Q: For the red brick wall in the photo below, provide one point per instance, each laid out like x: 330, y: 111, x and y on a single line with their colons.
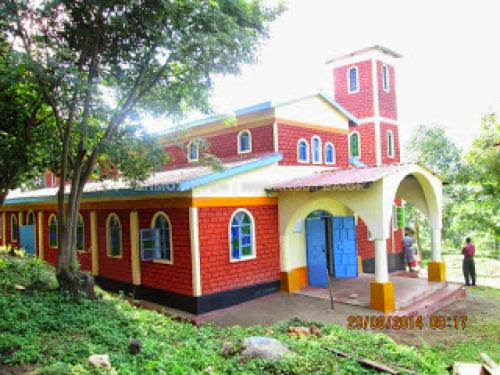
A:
x: 226, y: 145
x: 114, y: 268
x: 288, y: 137
x: 366, y: 248
x: 176, y: 277
x: 384, y: 128
x: 387, y: 99
x: 360, y: 104
x: 367, y: 141
x: 217, y: 272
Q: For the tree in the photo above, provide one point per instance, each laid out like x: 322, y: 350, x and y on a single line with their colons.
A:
x: 25, y: 118
x: 431, y: 146
x: 100, y: 63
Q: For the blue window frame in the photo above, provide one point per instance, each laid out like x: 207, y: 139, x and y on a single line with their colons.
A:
x: 353, y: 79
x: 242, y: 235
x: 316, y: 149
x: 162, y: 227
x: 80, y: 234
x: 244, y: 141
x: 53, y: 231
x: 114, y: 236
x: 303, y: 151
x: 193, y: 151
x: 329, y: 154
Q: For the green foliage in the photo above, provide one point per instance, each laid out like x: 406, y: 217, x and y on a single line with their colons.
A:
x: 56, y: 335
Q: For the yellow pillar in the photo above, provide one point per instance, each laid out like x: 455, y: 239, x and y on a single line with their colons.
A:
x: 436, y: 271
x: 40, y: 235
x: 93, y: 240
x: 134, y: 247
x: 195, y: 251
x: 4, y: 229
x: 20, y: 218
x: 381, y: 289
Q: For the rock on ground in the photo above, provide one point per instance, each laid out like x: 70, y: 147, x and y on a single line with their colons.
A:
x: 100, y: 361
x: 263, y: 347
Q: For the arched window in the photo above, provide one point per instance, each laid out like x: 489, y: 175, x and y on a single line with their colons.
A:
x: 192, y: 151
x: 242, y: 235
x: 80, y: 233
x: 385, y: 78
x: 354, y: 145
x: 161, y: 223
x: 30, y: 219
x: 329, y: 153
x: 244, y: 141
x: 14, y: 228
x: 390, y: 143
x: 114, y: 236
x: 353, y: 80
x: 53, y: 231
x: 316, y: 149
x: 302, y: 151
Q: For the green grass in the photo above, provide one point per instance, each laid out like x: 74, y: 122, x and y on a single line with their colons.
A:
x: 45, y: 329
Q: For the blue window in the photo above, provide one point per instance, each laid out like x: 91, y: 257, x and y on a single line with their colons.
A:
x: 303, y: 151
x: 385, y: 77
x: 354, y: 151
x: 316, y: 149
x: 329, y: 154
x: 114, y: 236
x: 242, y: 235
x: 53, y: 231
x: 193, y: 151
x: 353, y: 80
x: 244, y: 141
x: 162, y: 227
x: 14, y: 228
x: 80, y: 234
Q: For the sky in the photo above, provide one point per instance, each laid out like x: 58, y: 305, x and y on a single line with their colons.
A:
x: 449, y: 74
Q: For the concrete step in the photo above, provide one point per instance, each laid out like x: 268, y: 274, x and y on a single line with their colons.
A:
x: 435, y: 301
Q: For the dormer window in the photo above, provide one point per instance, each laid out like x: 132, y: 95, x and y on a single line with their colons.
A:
x: 353, y: 80
x: 354, y: 145
x: 316, y: 149
x: 385, y: 78
x: 244, y: 142
x: 390, y: 144
x: 302, y: 151
x: 329, y: 153
x: 193, y: 151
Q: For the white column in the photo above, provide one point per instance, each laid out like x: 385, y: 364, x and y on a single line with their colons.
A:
x: 195, y: 250
x: 436, y: 244
x: 381, y: 267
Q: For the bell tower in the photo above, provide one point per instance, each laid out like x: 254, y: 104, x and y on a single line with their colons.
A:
x: 364, y: 82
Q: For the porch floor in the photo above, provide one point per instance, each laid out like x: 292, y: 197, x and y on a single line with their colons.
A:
x: 409, y: 293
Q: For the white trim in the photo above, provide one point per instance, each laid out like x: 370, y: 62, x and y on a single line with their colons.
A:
x: 320, y: 149
x: 391, y: 133
x: 249, y: 141
x: 349, y: 144
x: 155, y: 216
x: 252, y: 229
x: 307, y: 151
x: 275, y: 137
x: 107, y: 236
x: 349, y: 91
x: 190, y: 160
x: 57, y: 231
x: 376, y: 112
x: 195, y: 250
x: 11, y: 227
x: 334, y: 153
x: 386, y: 78
x: 374, y: 119
x: 81, y: 216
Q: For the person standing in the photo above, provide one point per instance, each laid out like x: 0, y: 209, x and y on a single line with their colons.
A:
x: 468, y: 266
x: 408, y: 249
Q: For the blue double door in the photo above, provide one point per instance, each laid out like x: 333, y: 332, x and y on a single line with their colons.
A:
x: 331, y: 248
x: 27, y: 239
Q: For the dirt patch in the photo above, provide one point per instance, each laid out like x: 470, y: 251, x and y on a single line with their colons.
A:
x: 17, y: 370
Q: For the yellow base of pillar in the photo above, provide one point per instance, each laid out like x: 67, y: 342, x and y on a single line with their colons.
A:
x: 382, y: 296
x: 294, y: 280
x: 436, y: 271
x: 360, y: 264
